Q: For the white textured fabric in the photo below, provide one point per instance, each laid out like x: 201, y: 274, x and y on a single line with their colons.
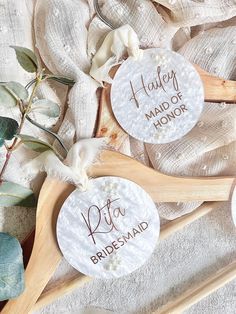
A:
x: 67, y: 35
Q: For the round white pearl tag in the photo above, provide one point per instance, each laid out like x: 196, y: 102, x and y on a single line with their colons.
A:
x: 159, y: 98
x: 110, y: 230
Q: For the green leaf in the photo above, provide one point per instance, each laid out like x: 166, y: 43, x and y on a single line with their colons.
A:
x: 12, y: 194
x: 8, y: 128
x: 6, y: 98
x: 62, y: 79
x: 34, y: 143
x: 56, y: 136
x: 17, y: 90
x: 11, y: 92
x: 46, y: 107
x: 26, y: 58
x: 11, y: 267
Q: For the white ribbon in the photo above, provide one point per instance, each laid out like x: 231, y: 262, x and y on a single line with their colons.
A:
x: 117, y: 42
x: 74, y: 168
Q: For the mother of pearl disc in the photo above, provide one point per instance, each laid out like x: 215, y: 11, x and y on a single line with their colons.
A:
x: 159, y: 98
x: 110, y: 230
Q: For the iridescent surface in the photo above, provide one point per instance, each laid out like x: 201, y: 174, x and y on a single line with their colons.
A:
x: 110, y: 230
x: 159, y: 98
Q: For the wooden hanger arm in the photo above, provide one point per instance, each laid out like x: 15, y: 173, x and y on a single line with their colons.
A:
x: 161, y: 187
x: 197, y: 293
x: 46, y: 254
x: 107, y: 125
x: 217, y: 89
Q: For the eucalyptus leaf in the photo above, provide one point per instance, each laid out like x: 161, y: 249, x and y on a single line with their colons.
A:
x: 56, y: 136
x: 11, y: 267
x: 62, y: 79
x: 34, y: 143
x: 46, y: 107
x: 26, y: 58
x: 8, y: 128
x: 17, y: 90
x: 12, y: 194
x: 6, y: 98
x: 11, y: 92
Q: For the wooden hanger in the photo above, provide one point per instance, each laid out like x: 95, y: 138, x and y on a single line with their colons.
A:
x: 161, y: 187
x: 46, y: 255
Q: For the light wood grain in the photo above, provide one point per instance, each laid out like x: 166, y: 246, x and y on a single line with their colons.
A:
x: 179, y: 223
x: 163, y: 188
x: 46, y: 254
x: 64, y: 287
x: 217, y: 89
x: 194, y: 295
x: 108, y: 126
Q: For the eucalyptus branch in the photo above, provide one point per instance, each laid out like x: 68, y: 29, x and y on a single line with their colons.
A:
x: 27, y: 86
x: 10, y: 150
x: 58, y: 78
x: 6, y: 146
x: 15, y: 94
x: 22, y: 120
